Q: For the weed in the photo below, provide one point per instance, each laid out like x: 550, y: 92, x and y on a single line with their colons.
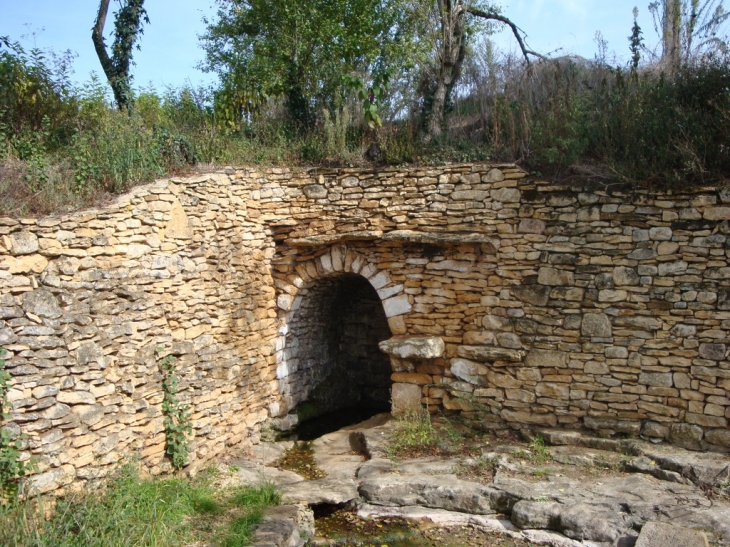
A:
x: 413, y: 431
x: 12, y: 468
x: 178, y: 427
x: 539, y: 452
x: 129, y: 510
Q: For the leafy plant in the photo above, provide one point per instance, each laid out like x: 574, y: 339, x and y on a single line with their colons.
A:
x: 178, y: 427
x: 12, y: 468
x: 539, y: 453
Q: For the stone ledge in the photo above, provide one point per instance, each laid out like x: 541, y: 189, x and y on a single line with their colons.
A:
x: 315, y: 241
x: 414, y: 347
x: 410, y: 236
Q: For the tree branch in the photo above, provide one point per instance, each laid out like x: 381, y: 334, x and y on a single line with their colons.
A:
x: 515, y: 30
x: 97, y: 36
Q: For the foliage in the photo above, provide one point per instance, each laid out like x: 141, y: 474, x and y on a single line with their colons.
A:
x: 178, y: 427
x: 132, y: 511
x: 298, y: 51
x: 413, y: 431
x: 539, y: 453
x: 127, y: 30
x: 12, y: 468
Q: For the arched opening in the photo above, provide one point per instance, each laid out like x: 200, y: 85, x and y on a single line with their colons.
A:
x: 332, y: 359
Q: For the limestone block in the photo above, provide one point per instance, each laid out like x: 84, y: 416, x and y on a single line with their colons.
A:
x: 661, y: 534
x: 487, y: 353
x: 625, y: 276
x: 506, y: 195
x: 469, y: 371
x: 554, y: 277
x: 546, y: 358
x: 411, y: 378
x: 717, y: 213
x: 23, y: 243
x: 178, y: 227
x: 686, y: 435
x: 418, y: 347
x: 536, y: 295
x: 76, y: 397
x: 397, y: 305
x: 405, y: 398
x: 493, y: 175
x: 596, y: 325
x: 522, y: 417
x: 34, y: 263
x: 713, y: 352
x: 43, y: 303
x: 315, y: 191
x: 531, y: 226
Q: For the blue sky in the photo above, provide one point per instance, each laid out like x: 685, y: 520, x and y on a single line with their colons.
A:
x: 170, y: 49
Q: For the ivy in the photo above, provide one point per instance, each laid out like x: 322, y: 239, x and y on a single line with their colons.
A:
x: 178, y: 428
x: 12, y: 469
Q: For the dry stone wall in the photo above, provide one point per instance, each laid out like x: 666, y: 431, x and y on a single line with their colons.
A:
x: 578, y: 307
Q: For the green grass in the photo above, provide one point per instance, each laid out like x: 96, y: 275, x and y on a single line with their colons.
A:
x: 413, y: 431
x: 140, y: 512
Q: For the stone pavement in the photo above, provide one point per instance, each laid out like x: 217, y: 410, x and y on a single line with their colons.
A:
x: 618, y: 495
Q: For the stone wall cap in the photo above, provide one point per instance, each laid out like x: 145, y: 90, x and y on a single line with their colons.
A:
x: 419, y: 347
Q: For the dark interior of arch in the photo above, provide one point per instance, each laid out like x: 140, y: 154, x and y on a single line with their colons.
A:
x: 334, y: 359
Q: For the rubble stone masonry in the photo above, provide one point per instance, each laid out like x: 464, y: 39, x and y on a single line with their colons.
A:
x: 574, y: 307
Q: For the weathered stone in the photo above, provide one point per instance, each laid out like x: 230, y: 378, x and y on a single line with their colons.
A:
x: 546, y: 358
x: 490, y: 354
x: 522, y: 417
x: 76, y: 397
x: 469, y: 371
x: 553, y: 277
x: 178, y: 227
x: 531, y: 226
x: 315, y: 191
x: 23, y: 243
x: 428, y: 491
x: 405, y: 398
x: 317, y: 492
x: 536, y: 295
x: 661, y: 534
x: 596, y: 325
x: 625, y: 276
x: 42, y: 303
x: 686, y: 435
x: 418, y: 347
x: 714, y: 352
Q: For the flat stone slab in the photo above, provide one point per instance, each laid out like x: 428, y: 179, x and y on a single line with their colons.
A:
x: 434, y: 491
x: 660, y: 534
x: 323, y: 491
x: 418, y: 347
x: 315, y: 241
x: 254, y: 473
x: 268, y: 453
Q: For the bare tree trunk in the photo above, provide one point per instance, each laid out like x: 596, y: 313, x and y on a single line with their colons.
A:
x: 451, y: 55
x: 672, y: 35
x: 451, y: 58
x: 128, y: 28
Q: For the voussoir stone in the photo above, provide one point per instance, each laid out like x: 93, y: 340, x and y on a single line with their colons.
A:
x: 414, y: 347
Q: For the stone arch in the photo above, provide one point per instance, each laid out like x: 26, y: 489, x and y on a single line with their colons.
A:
x: 333, y: 311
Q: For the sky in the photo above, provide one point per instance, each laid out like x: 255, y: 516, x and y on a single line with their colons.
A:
x: 170, y: 47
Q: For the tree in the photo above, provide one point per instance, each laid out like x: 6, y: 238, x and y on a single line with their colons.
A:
x: 299, y: 50
x: 451, y: 46
x: 689, y: 30
x: 127, y: 30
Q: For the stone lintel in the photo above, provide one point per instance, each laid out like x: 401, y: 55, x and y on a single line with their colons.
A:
x: 490, y: 353
x: 315, y: 241
x: 418, y: 347
x: 443, y: 239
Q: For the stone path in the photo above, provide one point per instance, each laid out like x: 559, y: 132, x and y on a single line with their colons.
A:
x: 584, y: 500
